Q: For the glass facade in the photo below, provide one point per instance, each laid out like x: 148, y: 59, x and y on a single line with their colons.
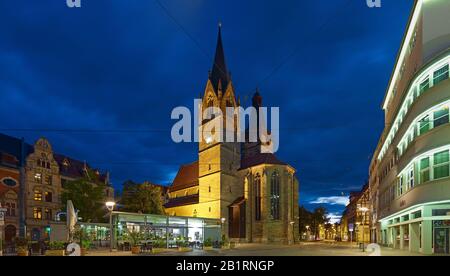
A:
x: 165, y: 231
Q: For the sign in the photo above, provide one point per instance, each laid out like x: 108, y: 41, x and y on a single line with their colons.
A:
x: 350, y: 227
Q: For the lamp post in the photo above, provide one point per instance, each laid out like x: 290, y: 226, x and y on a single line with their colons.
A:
x: 363, y: 210
x: 110, y: 206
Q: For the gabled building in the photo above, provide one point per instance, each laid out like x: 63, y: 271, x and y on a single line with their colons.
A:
x: 32, y: 178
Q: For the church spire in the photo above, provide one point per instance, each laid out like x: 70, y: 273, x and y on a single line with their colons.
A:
x: 219, y: 69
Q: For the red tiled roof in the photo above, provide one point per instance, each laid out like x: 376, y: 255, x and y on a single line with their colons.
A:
x: 182, y: 201
x: 187, y: 177
x: 260, y: 158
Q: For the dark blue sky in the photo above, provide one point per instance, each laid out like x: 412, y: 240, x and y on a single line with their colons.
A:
x: 125, y: 64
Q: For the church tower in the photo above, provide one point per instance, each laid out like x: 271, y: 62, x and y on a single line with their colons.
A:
x: 218, y: 160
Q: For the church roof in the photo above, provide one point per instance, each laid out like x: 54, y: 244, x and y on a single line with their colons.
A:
x: 219, y: 72
x: 186, y: 177
x: 259, y: 159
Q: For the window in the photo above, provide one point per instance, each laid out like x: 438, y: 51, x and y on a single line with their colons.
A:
x: 38, y: 177
x: 37, y: 213
x: 440, y: 75
x: 9, y: 182
x: 424, y: 86
x: 38, y: 195
x: 400, y: 186
x: 441, y: 117
x: 10, y: 209
x: 48, y: 179
x: 441, y: 164
x: 257, y: 197
x: 48, y: 214
x: 48, y: 197
x: 424, y: 125
x: 275, y: 196
x: 425, y: 170
x: 411, y: 178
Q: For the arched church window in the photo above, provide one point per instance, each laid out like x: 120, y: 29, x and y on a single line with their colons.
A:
x: 275, y: 195
x: 257, y: 189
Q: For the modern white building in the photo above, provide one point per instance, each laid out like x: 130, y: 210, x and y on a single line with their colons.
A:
x: 410, y: 171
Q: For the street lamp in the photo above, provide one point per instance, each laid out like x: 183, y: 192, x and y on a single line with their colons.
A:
x: 363, y: 210
x: 110, y: 206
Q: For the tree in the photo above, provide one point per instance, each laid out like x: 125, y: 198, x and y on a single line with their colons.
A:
x: 305, y: 219
x: 87, y: 196
x: 142, y: 198
x: 319, y: 217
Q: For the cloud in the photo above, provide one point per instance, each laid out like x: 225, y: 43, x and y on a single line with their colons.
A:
x: 334, y: 217
x: 331, y: 200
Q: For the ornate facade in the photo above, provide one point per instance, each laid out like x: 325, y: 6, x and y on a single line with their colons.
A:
x: 32, y: 178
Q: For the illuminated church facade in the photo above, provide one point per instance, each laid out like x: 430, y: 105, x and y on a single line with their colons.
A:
x: 254, y: 194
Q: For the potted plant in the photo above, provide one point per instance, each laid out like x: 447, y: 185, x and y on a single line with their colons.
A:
x: 225, y: 242
x: 208, y: 244
x: 84, y: 240
x: 134, y: 237
x: 183, y: 245
x: 22, y: 246
x: 159, y: 245
x: 56, y: 248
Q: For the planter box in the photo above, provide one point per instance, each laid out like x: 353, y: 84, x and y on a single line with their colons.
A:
x: 84, y: 252
x: 208, y: 248
x: 59, y: 252
x: 135, y: 250
x: 158, y: 250
x: 184, y: 249
x: 22, y: 253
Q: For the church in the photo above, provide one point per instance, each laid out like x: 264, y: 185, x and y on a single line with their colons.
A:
x: 253, y: 194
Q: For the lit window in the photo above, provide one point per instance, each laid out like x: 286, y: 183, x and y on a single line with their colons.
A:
x: 441, y: 165
x: 440, y: 75
x: 38, y: 195
x: 37, y: 213
x: 38, y: 177
x: 425, y: 170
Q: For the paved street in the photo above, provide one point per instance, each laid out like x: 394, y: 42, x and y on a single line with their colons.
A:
x: 303, y: 249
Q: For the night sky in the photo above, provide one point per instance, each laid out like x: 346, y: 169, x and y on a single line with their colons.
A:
x: 101, y: 81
